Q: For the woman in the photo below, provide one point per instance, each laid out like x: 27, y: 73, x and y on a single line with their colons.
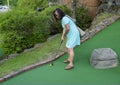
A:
x: 71, y: 32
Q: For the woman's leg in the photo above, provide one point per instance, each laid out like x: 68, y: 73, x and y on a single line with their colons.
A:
x: 71, y: 56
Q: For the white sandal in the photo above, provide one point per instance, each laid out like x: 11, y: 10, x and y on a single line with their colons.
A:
x: 68, y: 67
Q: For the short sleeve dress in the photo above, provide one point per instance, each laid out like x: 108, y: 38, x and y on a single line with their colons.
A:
x: 73, y: 36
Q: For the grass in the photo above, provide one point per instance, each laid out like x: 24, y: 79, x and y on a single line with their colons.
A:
x: 33, y: 56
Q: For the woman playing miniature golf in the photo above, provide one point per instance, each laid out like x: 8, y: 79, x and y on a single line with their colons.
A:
x: 71, y: 32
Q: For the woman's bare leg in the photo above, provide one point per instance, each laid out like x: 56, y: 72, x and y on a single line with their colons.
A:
x: 71, y: 56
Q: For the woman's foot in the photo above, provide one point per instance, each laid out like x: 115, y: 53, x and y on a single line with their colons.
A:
x: 68, y: 67
x: 66, y: 61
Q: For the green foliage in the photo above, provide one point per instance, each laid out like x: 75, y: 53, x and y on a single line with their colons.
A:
x: 54, y: 26
x: 82, y: 17
x: 1, y: 2
x: 21, y: 30
x: 31, y: 4
x: 47, y: 18
x: 1, y: 53
x: 13, y: 3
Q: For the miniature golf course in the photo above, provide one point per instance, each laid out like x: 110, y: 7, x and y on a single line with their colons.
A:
x: 82, y: 73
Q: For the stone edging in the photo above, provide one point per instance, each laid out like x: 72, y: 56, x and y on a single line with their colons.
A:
x: 89, y: 33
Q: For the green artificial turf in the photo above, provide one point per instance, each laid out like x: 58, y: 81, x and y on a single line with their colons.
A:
x: 83, y: 73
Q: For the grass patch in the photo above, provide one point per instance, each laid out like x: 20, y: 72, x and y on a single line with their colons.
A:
x: 33, y: 56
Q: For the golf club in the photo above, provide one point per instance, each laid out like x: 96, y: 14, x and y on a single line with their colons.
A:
x: 60, y: 44
x: 51, y: 64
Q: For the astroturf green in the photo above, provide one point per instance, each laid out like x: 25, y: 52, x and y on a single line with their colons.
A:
x: 83, y: 73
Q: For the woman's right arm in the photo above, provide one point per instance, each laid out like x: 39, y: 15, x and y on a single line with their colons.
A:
x: 65, y: 31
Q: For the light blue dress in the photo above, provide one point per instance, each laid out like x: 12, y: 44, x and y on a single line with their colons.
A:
x: 73, y: 36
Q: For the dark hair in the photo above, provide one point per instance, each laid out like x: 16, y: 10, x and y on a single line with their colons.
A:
x: 60, y: 12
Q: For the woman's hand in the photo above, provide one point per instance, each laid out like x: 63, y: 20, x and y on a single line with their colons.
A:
x: 63, y: 37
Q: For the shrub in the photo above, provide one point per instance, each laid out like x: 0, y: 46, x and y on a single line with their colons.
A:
x: 20, y: 31
x: 82, y: 18
x: 32, y: 4
x: 1, y: 53
x: 54, y: 26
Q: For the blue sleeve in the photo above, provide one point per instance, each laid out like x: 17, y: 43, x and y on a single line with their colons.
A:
x: 65, y: 20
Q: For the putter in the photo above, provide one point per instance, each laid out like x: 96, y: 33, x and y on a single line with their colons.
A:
x: 60, y: 43
x: 51, y: 64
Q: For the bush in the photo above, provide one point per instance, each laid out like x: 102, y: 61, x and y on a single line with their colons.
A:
x: 54, y: 26
x: 32, y: 4
x: 82, y: 18
x: 1, y: 53
x: 20, y: 31
x: 23, y: 29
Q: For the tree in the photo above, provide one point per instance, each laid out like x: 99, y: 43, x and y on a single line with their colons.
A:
x: 73, y: 9
x: 1, y: 2
x: 32, y: 4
